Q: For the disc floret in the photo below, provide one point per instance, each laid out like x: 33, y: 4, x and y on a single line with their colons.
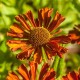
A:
x: 39, y: 36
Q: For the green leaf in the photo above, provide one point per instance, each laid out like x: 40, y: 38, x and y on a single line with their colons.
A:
x: 3, y: 46
x: 6, y: 10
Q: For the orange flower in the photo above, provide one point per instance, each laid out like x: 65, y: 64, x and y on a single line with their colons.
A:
x: 45, y: 73
x: 72, y: 76
x: 33, y: 34
x: 75, y: 34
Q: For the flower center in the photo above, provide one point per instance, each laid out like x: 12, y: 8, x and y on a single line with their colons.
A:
x: 39, y: 36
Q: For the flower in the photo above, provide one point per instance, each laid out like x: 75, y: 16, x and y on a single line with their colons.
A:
x: 75, y: 34
x: 31, y: 35
x: 45, y: 73
x: 72, y: 76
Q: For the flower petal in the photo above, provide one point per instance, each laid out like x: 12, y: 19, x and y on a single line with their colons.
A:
x: 49, y: 75
x: 14, y: 35
x: 37, y: 22
x: 65, y: 78
x: 23, y: 72
x: 30, y: 17
x: 71, y: 76
x: 43, y: 71
x: 33, y: 69
x: 49, y: 52
x: 17, y: 31
x: 56, y: 22
x: 44, y: 16
x: 57, y: 49
x: 38, y: 55
x: 16, y: 44
x: 61, y: 51
x: 21, y: 19
x: 25, y: 54
x: 74, y: 34
x: 12, y: 76
x: 16, y: 28
x: 61, y: 39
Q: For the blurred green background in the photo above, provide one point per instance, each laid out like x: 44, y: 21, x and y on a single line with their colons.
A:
x: 70, y: 9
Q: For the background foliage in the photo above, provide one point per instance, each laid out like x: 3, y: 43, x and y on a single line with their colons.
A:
x: 70, y: 9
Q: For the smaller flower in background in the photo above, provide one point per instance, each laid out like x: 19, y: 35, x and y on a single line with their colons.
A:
x: 72, y: 76
x: 75, y: 34
x: 25, y: 74
x: 33, y: 34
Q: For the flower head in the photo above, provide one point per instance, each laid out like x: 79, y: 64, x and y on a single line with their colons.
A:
x: 45, y: 73
x: 33, y: 34
x: 75, y: 34
x: 72, y: 76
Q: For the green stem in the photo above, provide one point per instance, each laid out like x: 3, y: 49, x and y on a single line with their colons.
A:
x: 55, y: 63
x: 61, y: 68
x: 44, y: 55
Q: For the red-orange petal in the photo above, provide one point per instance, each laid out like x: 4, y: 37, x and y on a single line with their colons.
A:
x: 71, y: 76
x: 16, y: 28
x: 58, y: 19
x: 33, y: 69
x: 23, y: 72
x: 30, y: 17
x: 61, y: 50
x: 49, y: 52
x: 37, y: 22
x: 17, y: 31
x: 12, y: 76
x: 14, y: 35
x: 65, y: 78
x: 43, y: 71
x: 21, y: 19
x: 49, y: 75
x: 44, y: 16
x: 74, y: 34
x: 18, y: 35
x: 25, y: 54
x: 38, y: 55
x: 73, y: 37
x: 16, y: 44
x: 57, y: 49
x: 61, y: 39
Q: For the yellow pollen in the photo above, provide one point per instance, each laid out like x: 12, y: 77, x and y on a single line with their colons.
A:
x: 39, y: 36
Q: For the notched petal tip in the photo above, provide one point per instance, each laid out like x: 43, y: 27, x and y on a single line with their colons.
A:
x: 30, y: 17
x: 25, y: 54
x: 23, y: 72
x: 57, y: 20
x: 43, y: 70
x: 44, y: 16
x: 61, y: 39
x: 33, y: 69
x: 16, y: 28
x: 12, y: 76
x: 22, y: 20
x: 37, y: 55
x: 50, y: 75
x: 71, y: 76
x: 16, y: 44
